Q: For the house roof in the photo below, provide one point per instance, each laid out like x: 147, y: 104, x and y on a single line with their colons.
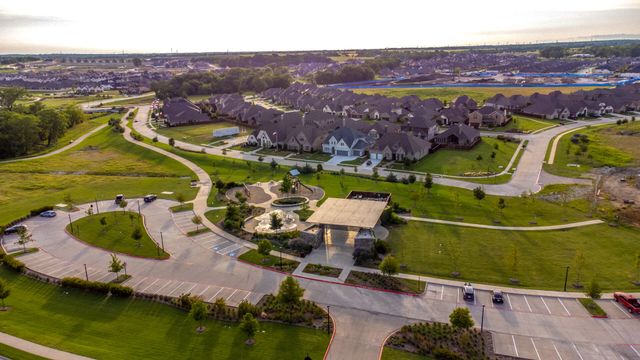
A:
x: 348, y: 212
x: 461, y: 131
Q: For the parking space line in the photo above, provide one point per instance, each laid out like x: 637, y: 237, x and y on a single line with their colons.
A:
x: 545, y: 305
x: 509, y: 301
x: 177, y: 287
x: 441, y: 292
x: 535, y: 348
x: 143, y: 290
x: 621, y: 309
x: 163, y: 286
x: 527, y: 301
x: 139, y: 282
x: 556, y: 349
x: 458, y: 296
x: 634, y: 350
x: 191, y: 288
x: 246, y: 296
x: 233, y: 293
x: 204, y: 291
x: 564, y: 307
x: 577, y: 352
x: 513, y: 338
x: 214, y: 296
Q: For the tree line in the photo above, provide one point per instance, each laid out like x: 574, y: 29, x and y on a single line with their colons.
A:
x: 25, y: 128
x: 261, y: 60
x: 231, y: 81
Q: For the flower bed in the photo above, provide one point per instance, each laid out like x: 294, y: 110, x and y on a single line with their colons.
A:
x: 290, y: 201
x: 384, y: 282
x: 322, y: 270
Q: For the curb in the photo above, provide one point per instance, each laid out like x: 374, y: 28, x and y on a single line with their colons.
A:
x: 600, y: 316
x: 385, y: 342
x: 333, y: 335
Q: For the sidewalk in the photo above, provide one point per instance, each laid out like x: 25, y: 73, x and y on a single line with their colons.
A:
x: 37, y: 349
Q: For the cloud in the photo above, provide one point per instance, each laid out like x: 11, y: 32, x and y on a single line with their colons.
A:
x: 13, y: 21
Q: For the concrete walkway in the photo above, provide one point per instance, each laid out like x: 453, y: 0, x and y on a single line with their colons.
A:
x: 36, y: 349
x: 508, y: 228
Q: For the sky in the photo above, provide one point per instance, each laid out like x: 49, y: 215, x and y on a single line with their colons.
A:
x: 137, y: 26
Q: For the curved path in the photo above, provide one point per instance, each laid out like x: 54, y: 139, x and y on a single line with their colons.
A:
x: 363, y: 316
x: 509, y: 228
x: 37, y: 349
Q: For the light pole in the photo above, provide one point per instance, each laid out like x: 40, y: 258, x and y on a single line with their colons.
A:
x: 162, y: 241
x: 86, y: 273
x: 70, y: 226
x: 482, y: 320
x: 97, y: 209
x: 138, y: 207
x: 566, y: 276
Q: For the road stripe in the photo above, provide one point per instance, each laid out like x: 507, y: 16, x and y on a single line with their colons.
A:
x: 513, y: 338
x: 545, y: 305
x: 634, y: 350
x: 509, y: 301
x: 535, y: 348
x: 626, y: 313
x: 163, y: 286
x: 577, y: 352
x: 214, y: 296
x: 204, y: 291
x: 564, y: 307
x: 246, y: 296
x: 442, y: 292
x: 191, y: 288
x: 557, y: 352
x: 139, y: 282
x: 150, y: 285
x: 527, y: 301
x: 458, y: 296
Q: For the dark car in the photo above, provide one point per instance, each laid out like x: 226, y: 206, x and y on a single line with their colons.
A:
x: 48, y: 213
x: 496, y: 297
x: 628, y: 301
x: 149, y: 198
x: 467, y: 292
x: 15, y: 228
x: 119, y: 198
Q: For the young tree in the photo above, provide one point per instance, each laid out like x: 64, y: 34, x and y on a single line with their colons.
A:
x: 290, y: 291
x: 24, y: 238
x: 273, y: 164
x: 319, y: 168
x: 180, y: 198
x: 501, y: 205
x: 264, y: 247
x: 392, y: 178
x: 479, y: 193
x: 375, y: 175
x: 4, y: 292
x: 594, y: 290
x: 389, y: 265
x: 68, y: 200
x: 578, y: 266
x: 136, y: 235
x: 428, y: 182
x: 219, y: 306
x: 103, y: 221
x: 276, y: 222
x: 287, y: 184
x: 411, y: 178
x: 123, y: 205
x: 197, y: 220
x: 115, y: 265
x: 249, y: 325
x: 172, y: 142
x: 460, y: 318
x: 198, y: 313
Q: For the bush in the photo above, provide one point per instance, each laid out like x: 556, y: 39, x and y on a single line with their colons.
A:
x: 392, y: 178
x: 97, y: 287
x: 13, y: 263
x: 593, y: 290
x: 446, y: 354
x: 362, y: 255
x: 36, y: 212
x: 300, y: 247
x: 184, y: 301
x: 412, y: 178
x: 246, y: 307
x: 382, y: 247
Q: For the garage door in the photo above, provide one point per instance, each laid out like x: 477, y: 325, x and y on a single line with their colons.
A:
x: 342, y: 152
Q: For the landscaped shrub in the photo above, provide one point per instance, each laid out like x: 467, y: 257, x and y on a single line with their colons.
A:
x: 12, y: 263
x: 120, y: 290
x: 246, y: 307
x: 97, y: 287
x: 36, y: 212
x: 382, y: 247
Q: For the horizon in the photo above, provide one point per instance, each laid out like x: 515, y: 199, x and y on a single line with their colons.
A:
x: 40, y: 27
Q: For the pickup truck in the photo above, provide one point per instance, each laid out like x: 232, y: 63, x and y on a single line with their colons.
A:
x: 628, y: 301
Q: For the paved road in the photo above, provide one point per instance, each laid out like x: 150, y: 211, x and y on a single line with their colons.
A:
x: 510, y: 228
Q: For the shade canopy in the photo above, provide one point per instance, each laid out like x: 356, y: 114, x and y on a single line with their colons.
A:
x: 349, y: 212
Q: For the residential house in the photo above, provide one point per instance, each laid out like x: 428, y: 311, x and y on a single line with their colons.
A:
x: 180, y: 111
x: 345, y: 141
x: 488, y: 116
x: 458, y: 137
x: 399, y: 146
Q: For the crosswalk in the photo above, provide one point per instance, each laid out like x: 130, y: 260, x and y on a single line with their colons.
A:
x: 219, y: 244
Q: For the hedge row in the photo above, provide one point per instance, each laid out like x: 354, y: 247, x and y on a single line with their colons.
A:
x: 12, y: 262
x: 96, y: 286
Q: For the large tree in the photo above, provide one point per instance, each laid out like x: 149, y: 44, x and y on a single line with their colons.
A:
x: 4, y: 292
x: 9, y: 96
x: 52, y: 125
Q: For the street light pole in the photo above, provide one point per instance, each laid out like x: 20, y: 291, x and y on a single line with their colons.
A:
x: 70, y: 226
x: 97, y: 209
x: 482, y: 320
x: 162, y: 241
x: 86, y: 273
x: 566, y: 276
x: 138, y: 207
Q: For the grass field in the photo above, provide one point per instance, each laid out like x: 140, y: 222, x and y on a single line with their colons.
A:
x: 432, y: 249
x: 197, y: 134
x: 13, y: 353
x: 606, y: 147
x: 64, y: 101
x: 147, y: 99
x: 477, y: 93
x: 459, y: 162
x: 525, y: 124
x: 116, y: 234
x: 254, y: 257
x: 114, y: 328
x: 215, y: 216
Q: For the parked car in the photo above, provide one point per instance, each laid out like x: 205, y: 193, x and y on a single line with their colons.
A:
x: 119, y: 198
x: 496, y: 297
x: 48, y: 213
x: 149, y: 198
x: 468, y: 293
x: 15, y: 228
x: 628, y: 301
x: 369, y: 163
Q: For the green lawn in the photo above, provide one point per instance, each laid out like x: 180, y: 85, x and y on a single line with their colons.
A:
x: 215, y: 216
x: 64, y: 101
x: 592, y: 307
x: 272, y: 152
x: 141, y: 100
x: 116, y: 234
x: 525, y: 124
x: 395, y: 354
x: 478, y: 94
x: 115, y: 328
x: 461, y: 162
x: 359, y: 161
x: 316, y: 156
x: 431, y: 249
x: 13, y: 353
x: 197, y: 134
x: 182, y: 207
x: 275, y: 262
x: 606, y: 147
